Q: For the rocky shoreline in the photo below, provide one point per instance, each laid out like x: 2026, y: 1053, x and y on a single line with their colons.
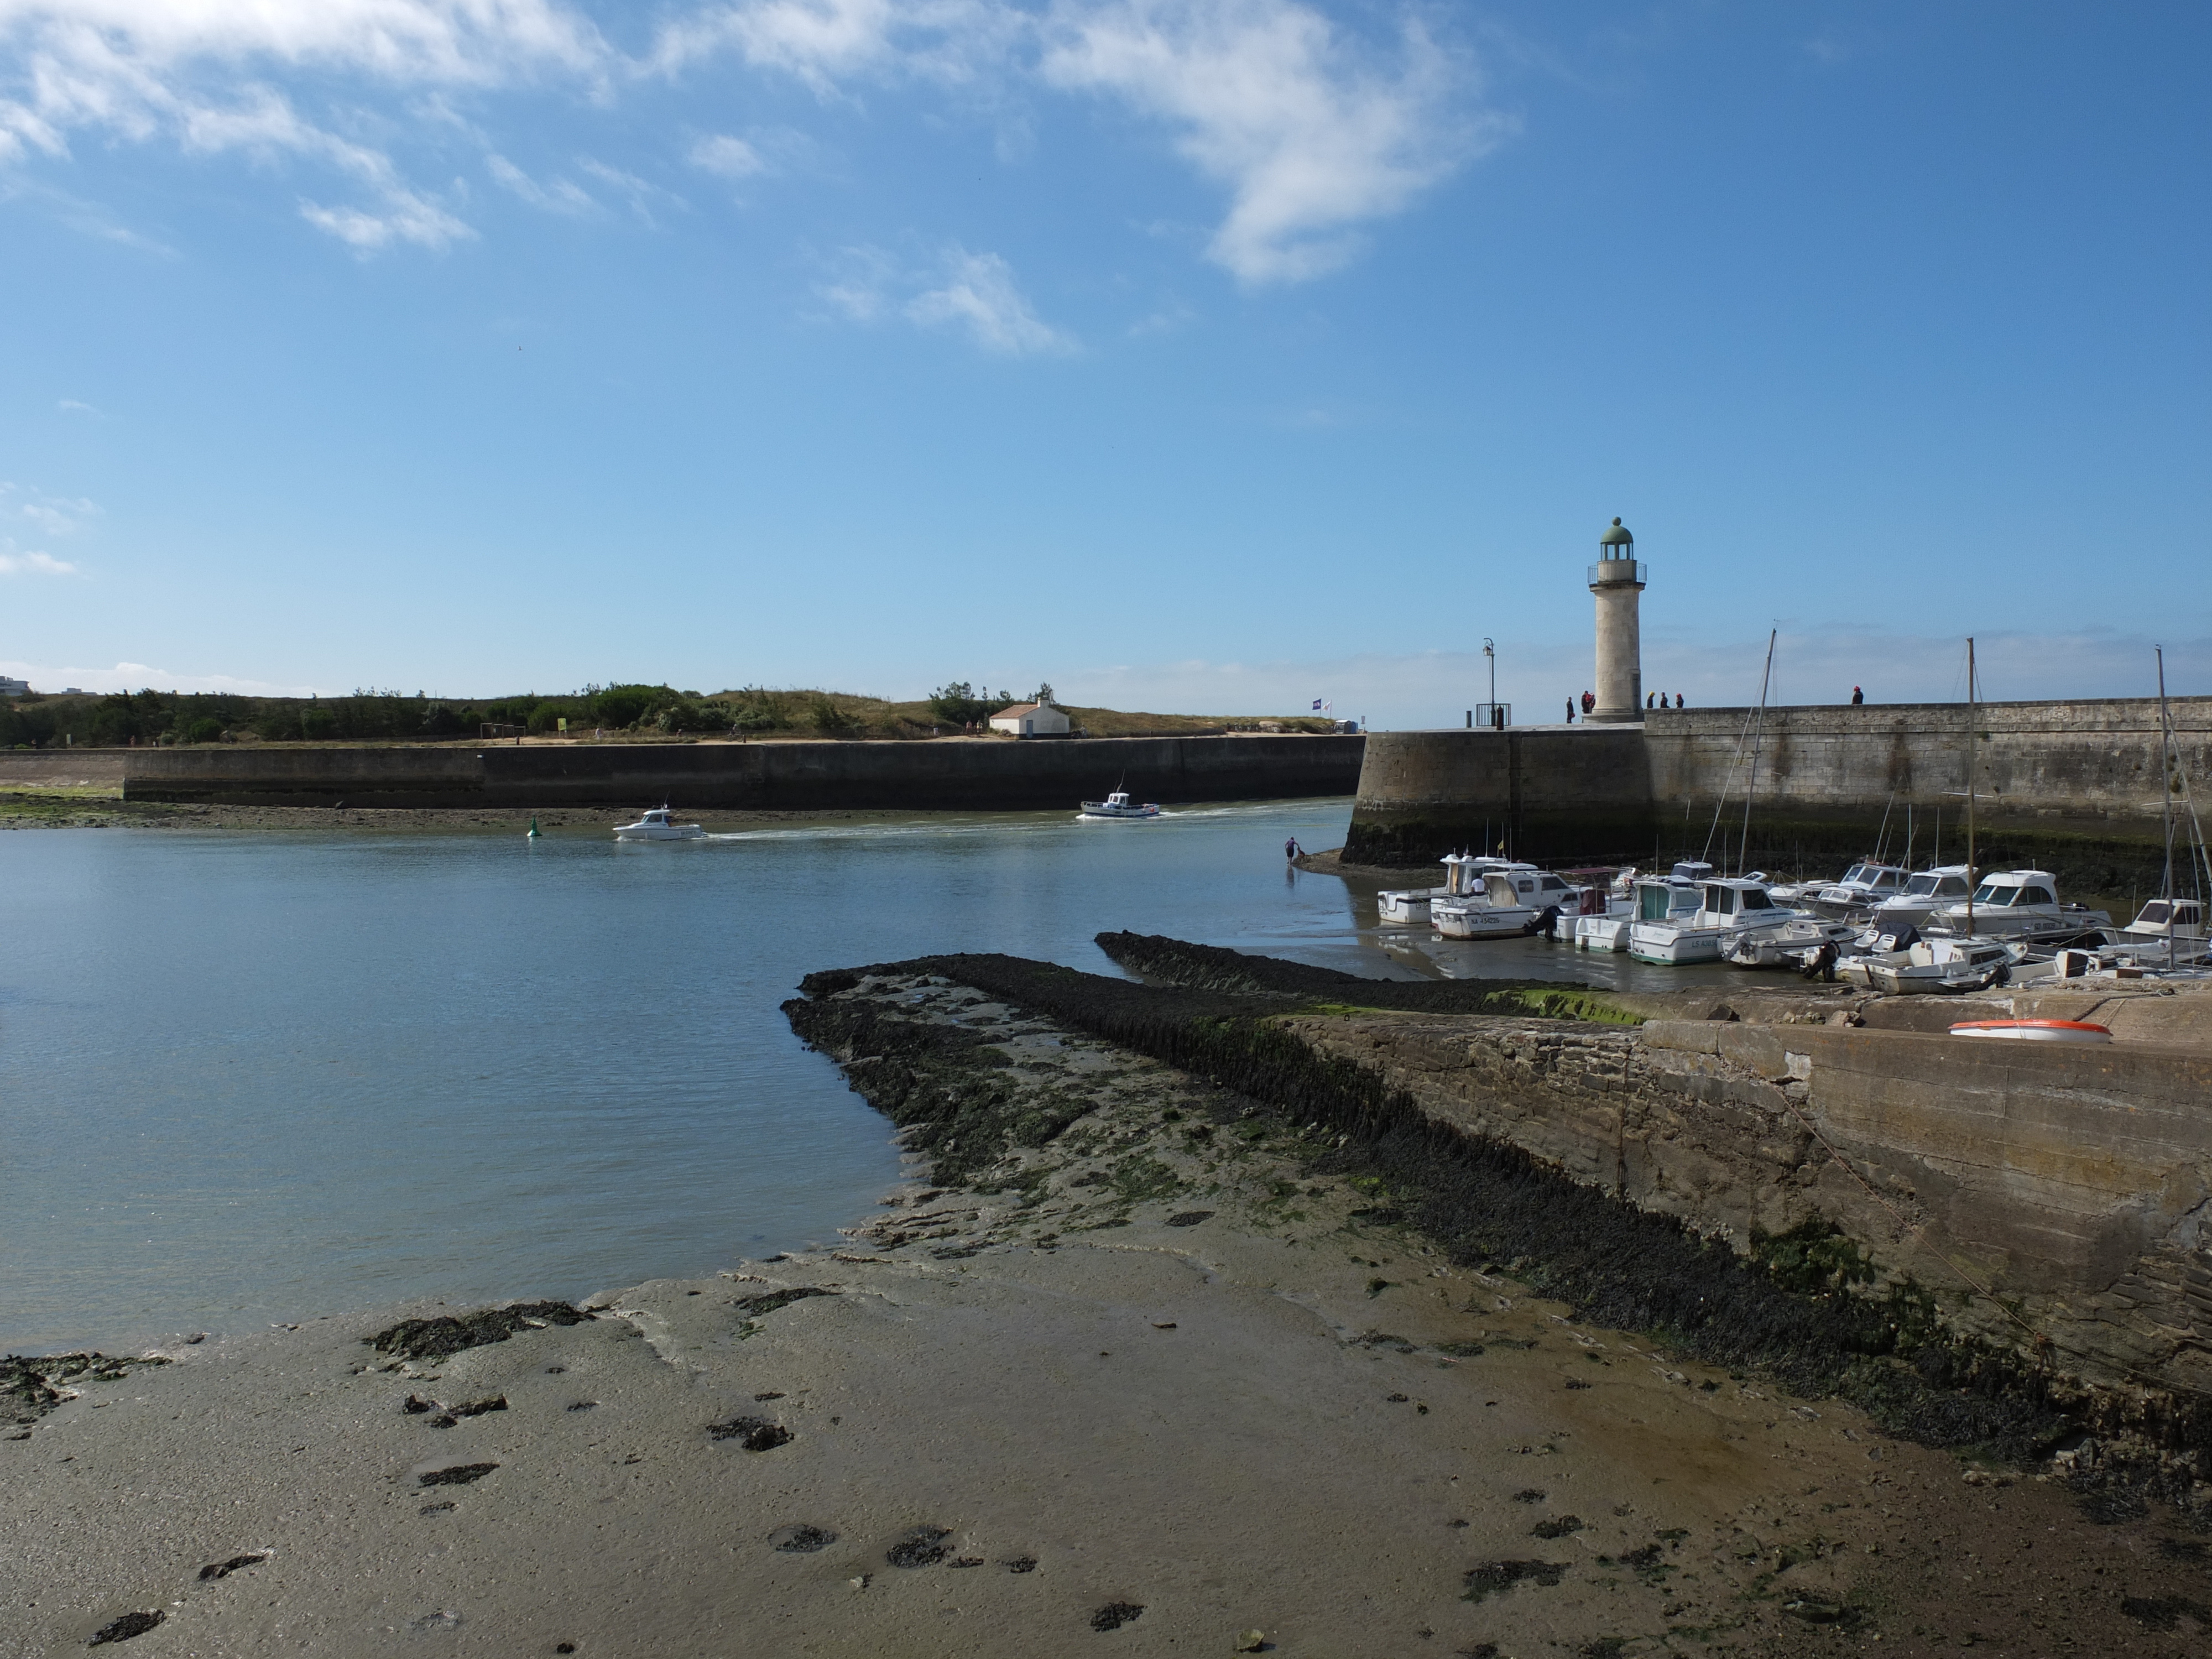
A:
x: 1147, y: 1362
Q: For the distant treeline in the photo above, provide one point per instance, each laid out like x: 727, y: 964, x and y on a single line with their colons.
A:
x: 172, y: 717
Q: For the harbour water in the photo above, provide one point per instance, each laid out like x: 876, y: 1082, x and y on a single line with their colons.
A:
x: 246, y: 1078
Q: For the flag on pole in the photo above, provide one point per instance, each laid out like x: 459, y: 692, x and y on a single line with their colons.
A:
x: 1316, y: 704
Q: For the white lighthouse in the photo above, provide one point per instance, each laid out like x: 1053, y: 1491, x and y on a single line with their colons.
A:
x: 1617, y: 579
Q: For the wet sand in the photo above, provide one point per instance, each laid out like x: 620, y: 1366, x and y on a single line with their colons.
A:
x: 1145, y: 1385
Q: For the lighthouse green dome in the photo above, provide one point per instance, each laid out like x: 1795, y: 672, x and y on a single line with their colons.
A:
x: 1617, y: 536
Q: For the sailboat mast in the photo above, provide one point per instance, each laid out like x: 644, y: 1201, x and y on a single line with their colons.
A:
x: 1973, y: 875
x: 2165, y: 776
x: 1759, y: 736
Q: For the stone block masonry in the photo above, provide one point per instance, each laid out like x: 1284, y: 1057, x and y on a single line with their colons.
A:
x: 756, y: 777
x: 2075, y: 1184
x: 2075, y: 787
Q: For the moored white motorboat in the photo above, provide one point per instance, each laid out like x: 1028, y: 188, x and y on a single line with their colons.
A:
x: 1731, y: 909
x: 1117, y: 805
x: 2020, y: 904
x: 1793, y: 944
x: 656, y: 824
x: 1405, y: 907
x: 1920, y: 897
x: 2166, y: 928
x: 1863, y: 886
x: 2035, y: 1031
x: 1951, y: 965
x: 1513, y: 898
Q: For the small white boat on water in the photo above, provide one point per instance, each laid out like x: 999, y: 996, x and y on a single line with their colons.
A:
x: 1117, y: 805
x: 2020, y: 904
x: 656, y: 824
x: 2163, y: 923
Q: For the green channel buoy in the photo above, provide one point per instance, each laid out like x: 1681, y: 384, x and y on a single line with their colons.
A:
x: 533, y: 835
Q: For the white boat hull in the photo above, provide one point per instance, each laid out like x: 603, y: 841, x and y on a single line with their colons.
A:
x: 661, y: 832
x: 1602, y: 932
x: 1407, y: 907
x: 1670, y: 945
x: 1483, y: 921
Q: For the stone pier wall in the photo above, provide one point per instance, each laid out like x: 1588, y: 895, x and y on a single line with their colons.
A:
x: 2076, y: 787
x: 2074, y: 1183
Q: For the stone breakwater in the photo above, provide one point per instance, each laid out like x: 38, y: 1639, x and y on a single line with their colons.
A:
x: 2075, y: 787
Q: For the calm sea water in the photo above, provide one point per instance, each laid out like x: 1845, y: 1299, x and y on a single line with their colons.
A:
x: 251, y: 1078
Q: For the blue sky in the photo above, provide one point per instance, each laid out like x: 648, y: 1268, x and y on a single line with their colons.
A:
x: 1213, y: 356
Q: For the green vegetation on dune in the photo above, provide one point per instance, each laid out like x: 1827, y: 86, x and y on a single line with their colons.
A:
x: 632, y: 712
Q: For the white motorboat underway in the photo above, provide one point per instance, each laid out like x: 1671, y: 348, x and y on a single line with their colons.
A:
x: 2018, y: 904
x: 1731, y: 908
x: 656, y: 824
x: 1513, y: 899
x: 1117, y: 805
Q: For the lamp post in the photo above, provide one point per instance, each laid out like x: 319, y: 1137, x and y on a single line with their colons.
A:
x: 1490, y: 650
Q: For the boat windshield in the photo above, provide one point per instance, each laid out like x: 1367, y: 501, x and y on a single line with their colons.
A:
x: 1922, y: 886
x: 2154, y: 914
x: 1757, y: 898
x: 1857, y: 872
x: 1991, y: 893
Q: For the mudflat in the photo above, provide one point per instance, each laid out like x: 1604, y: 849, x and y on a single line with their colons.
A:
x: 1149, y: 1380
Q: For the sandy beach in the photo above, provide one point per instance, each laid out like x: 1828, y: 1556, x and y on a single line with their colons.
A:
x: 1149, y: 1380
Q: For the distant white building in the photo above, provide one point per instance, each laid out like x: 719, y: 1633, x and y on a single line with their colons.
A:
x: 14, y: 687
x: 1031, y: 719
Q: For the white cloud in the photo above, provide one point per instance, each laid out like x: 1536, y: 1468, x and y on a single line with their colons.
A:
x: 54, y: 515
x: 643, y: 195
x: 1313, y: 129
x: 979, y: 295
x: 1311, y: 136
x: 731, y: 158
x: 138, y: 675
x: 140, y: 69
x: 823, y: 42
x: 561, y: 196
x: 31, y: 563
x: 70, y: 405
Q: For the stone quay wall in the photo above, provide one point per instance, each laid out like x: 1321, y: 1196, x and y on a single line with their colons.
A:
x: 948, y: 774
x: 2056, y: 1200
x: 2075, y: 786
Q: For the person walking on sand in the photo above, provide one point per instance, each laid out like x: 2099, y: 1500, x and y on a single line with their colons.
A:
x: 1857, y: 697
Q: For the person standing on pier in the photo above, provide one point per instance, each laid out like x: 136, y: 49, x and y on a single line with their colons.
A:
x: 1857, y: 697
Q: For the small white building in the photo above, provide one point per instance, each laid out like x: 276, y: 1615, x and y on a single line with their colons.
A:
x: 1031, y: 719
x: 14, y: 687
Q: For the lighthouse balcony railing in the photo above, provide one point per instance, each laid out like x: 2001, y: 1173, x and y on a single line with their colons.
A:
x: 1617, y: 573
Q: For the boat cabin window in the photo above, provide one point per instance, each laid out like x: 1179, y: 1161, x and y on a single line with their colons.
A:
x: 1552, y: 885
x: 2038, y: 896
x: 2154, y: 914
x: 1757, y: 898
x: 1653, y: 901
x: 1857, y: 871
x: 1989, y: 893
x: 1887, y: 878
x: 1951, y: 887
x: 1721, y: 901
